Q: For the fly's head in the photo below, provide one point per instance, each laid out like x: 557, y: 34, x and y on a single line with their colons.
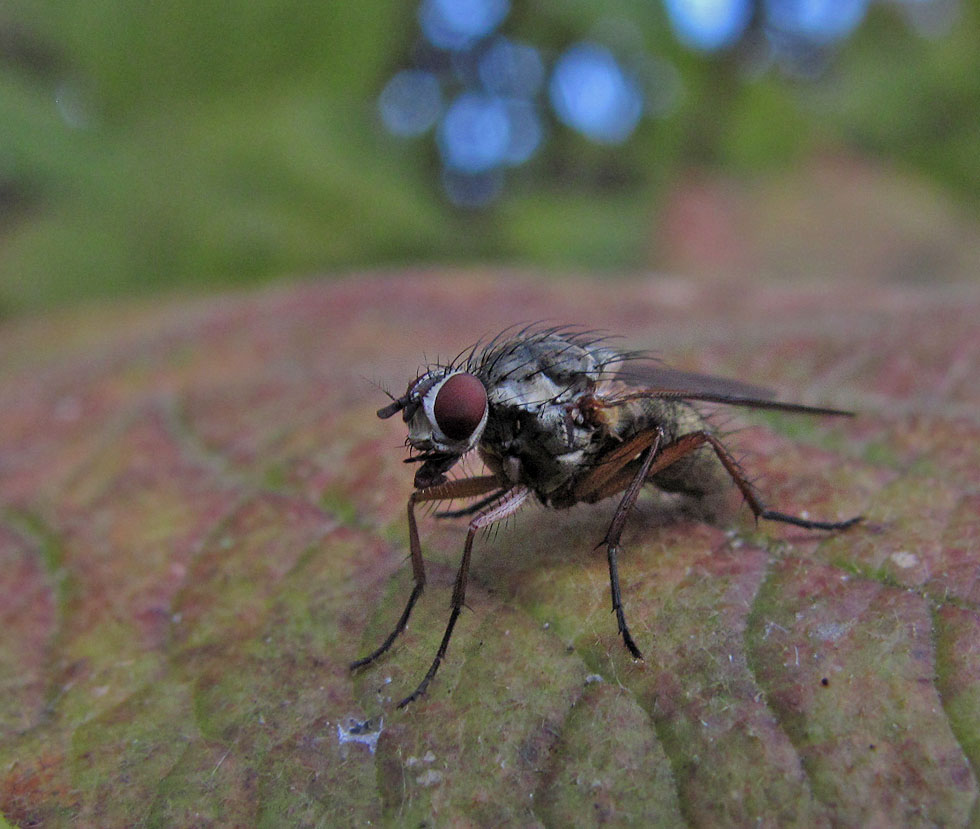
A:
x: 446, y: 412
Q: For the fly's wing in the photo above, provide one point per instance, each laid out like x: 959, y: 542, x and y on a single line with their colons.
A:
x: 656, y: 376
x: 638, y: 379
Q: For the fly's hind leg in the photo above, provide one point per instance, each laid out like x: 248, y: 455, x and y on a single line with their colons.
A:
x: 618, y: 472
x: 463, y: 488
x: 693, y: 441
x: 775, y: 515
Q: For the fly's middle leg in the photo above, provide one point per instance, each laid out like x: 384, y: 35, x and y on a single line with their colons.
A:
x: 614, y: 533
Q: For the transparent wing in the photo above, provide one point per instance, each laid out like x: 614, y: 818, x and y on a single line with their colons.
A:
x: 640, y: 378
x: 656, y: 376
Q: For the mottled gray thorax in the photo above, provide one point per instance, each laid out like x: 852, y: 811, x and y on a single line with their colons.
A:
x: 533, y: 434
x: 538, y: 433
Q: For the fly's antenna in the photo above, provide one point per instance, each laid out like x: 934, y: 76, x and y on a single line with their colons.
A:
x: 383, y: 388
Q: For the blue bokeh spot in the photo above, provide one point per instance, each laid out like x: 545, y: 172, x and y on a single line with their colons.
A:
x: 410, y: 103
x: 457, y: 24
x: 511, y: 68
x: 591, y: 93
x: 709, y: 25
x: 475, y: 133
x: 816, y: 21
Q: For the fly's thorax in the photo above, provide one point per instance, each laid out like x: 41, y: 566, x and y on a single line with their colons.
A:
x: 540, y: 447
x: 529, y: 390
x: 535, y: 434
x: 544, y: 446
x: 567, y: 365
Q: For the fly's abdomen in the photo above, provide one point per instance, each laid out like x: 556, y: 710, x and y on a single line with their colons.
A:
x: 697, y: 473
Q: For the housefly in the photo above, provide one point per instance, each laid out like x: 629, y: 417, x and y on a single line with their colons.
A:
x: 558, y: 414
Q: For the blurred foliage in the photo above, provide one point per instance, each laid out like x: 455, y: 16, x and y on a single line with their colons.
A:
x: 157, y: 146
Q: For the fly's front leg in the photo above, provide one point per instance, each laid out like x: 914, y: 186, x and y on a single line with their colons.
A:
x: 508, y: 504
x: 464, y: 488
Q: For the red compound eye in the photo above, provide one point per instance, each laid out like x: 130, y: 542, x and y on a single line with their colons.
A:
x: 460, y: 405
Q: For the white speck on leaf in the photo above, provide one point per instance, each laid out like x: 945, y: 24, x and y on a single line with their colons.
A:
x: 366, y: 732
x: 426, y: 758
x: 831, y: 631
x: 770, y: 626
x: 429, y: 778
x: 904, y: 559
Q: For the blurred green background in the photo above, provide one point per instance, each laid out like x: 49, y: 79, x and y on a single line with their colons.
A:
x: 162, y: 146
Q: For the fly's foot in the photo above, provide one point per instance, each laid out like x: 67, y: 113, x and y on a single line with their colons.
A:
x: 806, y: 523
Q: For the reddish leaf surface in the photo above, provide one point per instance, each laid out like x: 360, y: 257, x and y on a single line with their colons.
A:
x: 203, y: 523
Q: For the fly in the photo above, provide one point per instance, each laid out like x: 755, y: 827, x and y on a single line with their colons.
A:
x: 560, y: 415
